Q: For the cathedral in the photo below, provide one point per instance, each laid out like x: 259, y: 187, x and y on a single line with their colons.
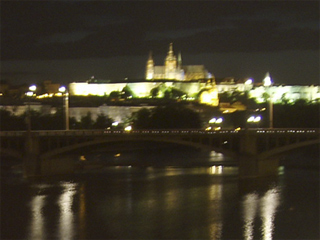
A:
x: 174, y: 70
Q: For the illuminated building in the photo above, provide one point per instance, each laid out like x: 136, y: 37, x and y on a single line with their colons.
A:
x: 173, y: 69
x: 190, y: 82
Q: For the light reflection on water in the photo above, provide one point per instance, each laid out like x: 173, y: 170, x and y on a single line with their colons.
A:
x: 66, y: 221
x: 37, y: 230
x: 154, y: 203
x: 38, y: 226
x: 267, y: 204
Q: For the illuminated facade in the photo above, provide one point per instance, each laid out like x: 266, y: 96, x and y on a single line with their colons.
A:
x: 205, y: 91
x: 174, y: 70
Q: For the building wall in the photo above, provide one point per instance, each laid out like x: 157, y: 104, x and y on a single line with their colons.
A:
x: 117, y: 113
x: 140, y: 89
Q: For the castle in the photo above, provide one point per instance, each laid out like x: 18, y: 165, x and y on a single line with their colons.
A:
x: 174, y: 70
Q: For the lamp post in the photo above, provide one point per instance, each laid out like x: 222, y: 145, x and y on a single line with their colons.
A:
x: 247, y: 87
x: 30, y: 93
x: 267, y: 82
x: 64, y: 90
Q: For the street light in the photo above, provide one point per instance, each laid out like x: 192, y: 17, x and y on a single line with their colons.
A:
x: 64, y: 90
x: 215, y: 122
x: 32, y: 89
x: 254, y: 120
x: 267, y: 82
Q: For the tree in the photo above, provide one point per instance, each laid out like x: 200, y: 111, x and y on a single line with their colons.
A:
x: 141, y: 119
x: 167, y: 117
x: 86, y: 121
x: 126, y: 92
x: 102, y: 122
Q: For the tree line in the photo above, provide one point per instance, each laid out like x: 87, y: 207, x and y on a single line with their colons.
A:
x: 172, y: 116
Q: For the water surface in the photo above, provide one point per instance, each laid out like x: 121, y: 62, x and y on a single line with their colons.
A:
x: 162, y: 203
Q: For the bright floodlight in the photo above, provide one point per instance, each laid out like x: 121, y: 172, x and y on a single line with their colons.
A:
x: 114, y: 124
x: 254, y: 119
x: 213, y: 120
x: 128, y: 128
x: 257, y: 119
x: 267, y: 80
x: 62, y: 89
x: 250, y: 119
x: 219, y: 120
x: 33, y: 88
x: 248, y: 82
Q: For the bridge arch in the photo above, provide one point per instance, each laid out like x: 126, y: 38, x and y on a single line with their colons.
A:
x: 13, y: 153
x: 288, y: 148
x: 71, y: 148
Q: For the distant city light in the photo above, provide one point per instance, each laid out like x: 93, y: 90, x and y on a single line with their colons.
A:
x: 216, y: 120
x: 62, y: 89
x: 29, y: 94
x: 33, y: 88
x: 249, y: 81
x: 267, y: 82
x: 115, y: 124
x: 128, y: 128
x: 254, y: 119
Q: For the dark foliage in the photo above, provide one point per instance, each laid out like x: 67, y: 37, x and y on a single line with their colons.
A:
x: 10, y: 122
x: 167, y: 117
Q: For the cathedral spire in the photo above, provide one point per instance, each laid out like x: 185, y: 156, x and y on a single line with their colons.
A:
x: 179, y: 60
x: 170, y: 64
x: 150, y: 56
x: 170, y: 49
x: 150, y: 67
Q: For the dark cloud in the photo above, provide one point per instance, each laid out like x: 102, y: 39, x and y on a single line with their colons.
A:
x: 62, y: 30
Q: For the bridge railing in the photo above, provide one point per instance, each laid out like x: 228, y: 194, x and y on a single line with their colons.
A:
x: 159, y: 132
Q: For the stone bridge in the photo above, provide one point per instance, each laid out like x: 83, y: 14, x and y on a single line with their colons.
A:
x: 257, y: 150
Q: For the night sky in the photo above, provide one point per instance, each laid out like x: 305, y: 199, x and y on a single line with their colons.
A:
x: 67, y: 41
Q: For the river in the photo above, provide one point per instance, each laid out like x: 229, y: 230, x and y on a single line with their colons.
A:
x: 162, y: 201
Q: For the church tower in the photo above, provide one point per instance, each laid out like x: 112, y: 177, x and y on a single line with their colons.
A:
x: 150, y: 68
x: 170, y: 64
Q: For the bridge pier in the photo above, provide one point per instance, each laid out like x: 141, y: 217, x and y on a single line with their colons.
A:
x: 31, y: 158
x: 252, y: 166
x: 36, y: 166
x: 250, y: 163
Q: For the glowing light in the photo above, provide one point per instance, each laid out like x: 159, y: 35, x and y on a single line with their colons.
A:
x: 33, y: 88
x: 209, y: 97
x: 267, y: 82
x: 62, y: 89
x: 269, y: 204
x: 248, y: 82
x: 254, y: 119
x: 38, y: 221
x: 216, y: 170
x: 66, y: 221
x: 29, y: 94
x: 213, y: 120
x: 128, y: 128
x: 257, y: 119
x: 114, y: 124
x: 219, y: 120
x: 250, y: 205
x: 216, y: 120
